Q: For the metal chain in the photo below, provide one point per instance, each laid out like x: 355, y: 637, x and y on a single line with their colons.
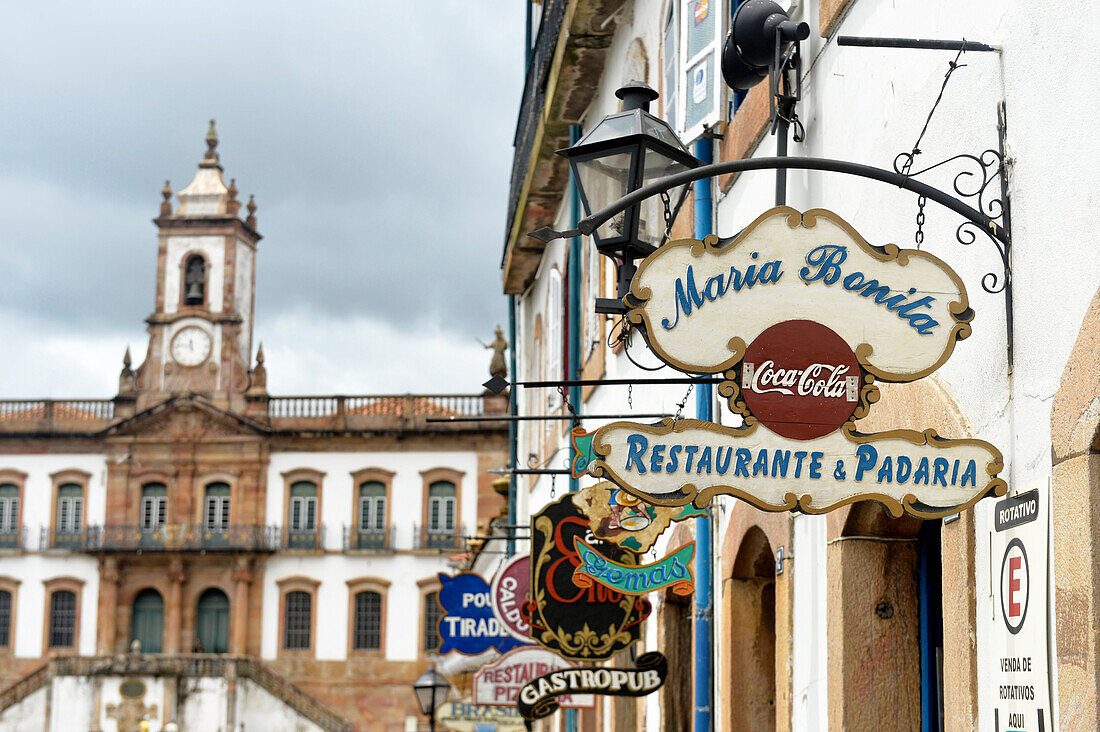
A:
x: 630, y: 396
x: 683, y: 402
x: 919, y: 236
x: 565, y: 400
x: 553, y: 486
x: 668, y: 214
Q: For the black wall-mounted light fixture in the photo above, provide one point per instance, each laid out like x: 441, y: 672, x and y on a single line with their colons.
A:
x: 760, y: 29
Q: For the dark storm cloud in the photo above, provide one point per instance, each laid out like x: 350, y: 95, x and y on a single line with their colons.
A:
x: 376, y: 137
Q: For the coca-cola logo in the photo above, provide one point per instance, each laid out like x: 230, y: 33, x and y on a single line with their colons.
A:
x: 800, y: 379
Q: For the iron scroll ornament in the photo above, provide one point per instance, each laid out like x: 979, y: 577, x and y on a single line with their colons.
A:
x: 976, y: 220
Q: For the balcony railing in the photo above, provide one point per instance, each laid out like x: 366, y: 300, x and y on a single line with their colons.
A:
x: 426, y: 538
x: 178, y: 537
x: 16, y: 539
x: 50, y: 537
x: 362, y: 540
x: 304, y: 539
x: 36, y: 415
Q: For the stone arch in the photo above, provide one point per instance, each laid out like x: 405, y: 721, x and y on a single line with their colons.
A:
x: 1075, y: 483
x: 752, y: 637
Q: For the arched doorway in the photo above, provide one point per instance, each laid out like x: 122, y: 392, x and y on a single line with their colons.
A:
x: 212, y: 623
x: 752, y: 634
x: 147, y: 621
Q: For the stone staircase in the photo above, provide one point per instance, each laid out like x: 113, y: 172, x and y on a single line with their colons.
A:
x: 234, y: 669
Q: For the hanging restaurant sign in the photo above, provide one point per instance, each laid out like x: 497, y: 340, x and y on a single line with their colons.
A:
x: 465, y: 715
x: 499, y: 682
x: 620, y: 518
x: 690, y: 461
x: 510, y: 588
x: 468, y: 625
x: 900, y: 311
x: 538, y: 697
x: 584, y: 624
x: 673, y: 571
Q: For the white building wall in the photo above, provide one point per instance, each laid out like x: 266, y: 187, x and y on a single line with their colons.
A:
x: 259, y: 710
x: 27, y: 715
x: 402, y: 569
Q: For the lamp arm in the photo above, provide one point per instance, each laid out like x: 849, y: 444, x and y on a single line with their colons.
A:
x: 590, y: 223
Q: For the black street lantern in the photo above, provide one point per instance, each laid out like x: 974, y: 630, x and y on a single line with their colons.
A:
x: 624, y: 152
x: 431, y: 689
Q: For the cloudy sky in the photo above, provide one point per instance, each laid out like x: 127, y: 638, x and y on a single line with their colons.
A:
x: 376, y: 137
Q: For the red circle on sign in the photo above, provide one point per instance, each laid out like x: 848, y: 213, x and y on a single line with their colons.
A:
x: 510, y: 589
x: 800, y: 379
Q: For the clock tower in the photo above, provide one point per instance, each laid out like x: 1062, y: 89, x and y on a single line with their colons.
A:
x: 200, y: 333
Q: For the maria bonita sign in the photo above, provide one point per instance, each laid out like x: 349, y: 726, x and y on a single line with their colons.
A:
x: 900, y: 311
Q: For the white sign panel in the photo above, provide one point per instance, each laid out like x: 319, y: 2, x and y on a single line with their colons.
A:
x: 1018, y: 689
x: 900, y: 310
x: 690, y: 461
x: 498, y: 683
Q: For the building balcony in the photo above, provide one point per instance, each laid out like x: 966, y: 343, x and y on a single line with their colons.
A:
x: 52, y: 538
x: 13, y: 540
x: 445, y: 540
x: 175, y: 537
x: 302, y: 539
x: 356, y: 539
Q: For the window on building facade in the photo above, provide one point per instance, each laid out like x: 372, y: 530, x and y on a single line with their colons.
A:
x: 367, y: 634
x: 441, y: 508
x: 303, y: 506
x: 595, y: 290
x: 5, y: 618
x: 70, y: 508
x: 297, y: 620
x: 154, y: 506
x: 372, y: 514
x: 9, y: 511
x: 217, y: 508
x: 555, y: 314
x: 433, y: 611
x: 62, y: 629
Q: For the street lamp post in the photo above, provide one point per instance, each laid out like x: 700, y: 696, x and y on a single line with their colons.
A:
x: 622, y: 153
x: 431, y: 689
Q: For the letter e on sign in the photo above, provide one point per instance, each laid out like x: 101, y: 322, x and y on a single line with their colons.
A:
x: 1015, y: 586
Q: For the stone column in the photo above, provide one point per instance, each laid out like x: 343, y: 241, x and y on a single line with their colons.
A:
x: 174, y: 606
x: 242, y: 578
x: 108, y: 606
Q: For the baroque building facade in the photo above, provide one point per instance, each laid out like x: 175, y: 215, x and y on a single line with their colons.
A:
x: 854, y: 619
x: 197, y: 550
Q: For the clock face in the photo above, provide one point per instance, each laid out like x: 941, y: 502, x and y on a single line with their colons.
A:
x: 190, y: 346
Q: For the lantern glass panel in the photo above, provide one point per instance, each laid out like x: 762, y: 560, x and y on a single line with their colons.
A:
x: 604, y: 180
x: 651, y: 224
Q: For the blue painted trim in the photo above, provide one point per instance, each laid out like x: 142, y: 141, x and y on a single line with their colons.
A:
x: 576, y: 294
x: 704, y: 582
x: 930, y: 621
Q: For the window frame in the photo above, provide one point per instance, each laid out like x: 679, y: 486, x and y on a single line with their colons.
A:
x: 303, y: 475
x: 358, y: 479
x: 18, y: 478
x: 161, y: 508
x: 225, y: 508
x: 428, y: 587
x: 59, y: 480
x: 677, y: 97
x: 288, y: 585
x: 50, y: 587
x: 436, y: 475
x: 355, y: 587
x: 10, y: 585
x: 555, y: 341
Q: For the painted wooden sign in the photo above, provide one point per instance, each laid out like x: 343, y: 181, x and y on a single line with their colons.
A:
x: 468, y: 625
x: 583, y: 624
x: 464, y: 715
x: 900, y: 311
x: 538, y: 698
x: 511, y: 587
x: 673, y: 571
x: 800, y: 379
x: 624, y: 519
x: 689, y: 461
x: 498, y: 683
